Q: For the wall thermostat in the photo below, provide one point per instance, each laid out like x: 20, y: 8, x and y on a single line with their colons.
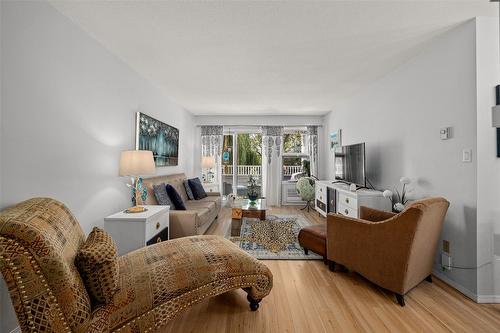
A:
x: 445, y: 133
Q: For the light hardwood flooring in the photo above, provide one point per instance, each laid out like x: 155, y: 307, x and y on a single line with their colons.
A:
x: 307, y: 297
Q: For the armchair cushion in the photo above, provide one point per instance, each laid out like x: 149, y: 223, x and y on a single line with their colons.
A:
x: 374, y: 215
x: 98, y: 266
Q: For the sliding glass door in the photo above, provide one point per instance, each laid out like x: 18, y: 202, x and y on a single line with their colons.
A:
x: 241, y: 159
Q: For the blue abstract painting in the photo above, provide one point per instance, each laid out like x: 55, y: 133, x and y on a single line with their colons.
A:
x: 160, y: 138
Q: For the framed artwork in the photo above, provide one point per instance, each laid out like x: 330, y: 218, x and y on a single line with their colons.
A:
x: 160, y: 138
x: 335, y: 140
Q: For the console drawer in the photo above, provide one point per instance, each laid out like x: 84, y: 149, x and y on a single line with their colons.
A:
x: 348, y: 200
x: 346, y: 210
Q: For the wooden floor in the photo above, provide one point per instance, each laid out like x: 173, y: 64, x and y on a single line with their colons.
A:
x: 307, y: 297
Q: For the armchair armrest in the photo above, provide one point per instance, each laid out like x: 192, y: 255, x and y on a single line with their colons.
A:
x: 374, y: 215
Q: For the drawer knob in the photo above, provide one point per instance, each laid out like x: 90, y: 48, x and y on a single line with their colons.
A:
x: 347, y: 200
x: 321, y: 190
x: 346, y: 212
x: 157, y: 225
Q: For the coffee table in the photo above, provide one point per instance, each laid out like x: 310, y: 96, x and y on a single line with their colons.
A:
x: 244, y: 208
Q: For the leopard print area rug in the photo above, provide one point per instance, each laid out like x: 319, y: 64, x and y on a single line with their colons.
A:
x: 274, y: 238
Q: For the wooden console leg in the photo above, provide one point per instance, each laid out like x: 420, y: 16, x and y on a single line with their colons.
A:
x: 429, y: 279
x: 331, y: 265
x: 400, y: 299
x: 306, y: 251
x: 254, y: 304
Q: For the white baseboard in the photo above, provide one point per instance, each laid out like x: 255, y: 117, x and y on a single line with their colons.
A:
x: 16, y: 330
x: 488, y: 299
x: 455, y: 285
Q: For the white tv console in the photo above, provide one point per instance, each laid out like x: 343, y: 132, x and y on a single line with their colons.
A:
x: 338, y: 198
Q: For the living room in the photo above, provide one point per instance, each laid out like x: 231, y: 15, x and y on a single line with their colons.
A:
x: 254, y: 98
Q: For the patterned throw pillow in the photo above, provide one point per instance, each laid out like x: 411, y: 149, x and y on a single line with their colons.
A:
x: 97, y: 264
x: 188, y: 189
x: 161, y: 196
x: 175, y: 197
x: 197, y: 188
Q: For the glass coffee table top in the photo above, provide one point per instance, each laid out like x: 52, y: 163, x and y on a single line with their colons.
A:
x: 246, y: 204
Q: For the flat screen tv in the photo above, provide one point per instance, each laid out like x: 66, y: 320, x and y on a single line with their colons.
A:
x: 350, y: 164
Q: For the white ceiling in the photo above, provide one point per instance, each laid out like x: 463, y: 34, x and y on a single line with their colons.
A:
x: 267, y: 57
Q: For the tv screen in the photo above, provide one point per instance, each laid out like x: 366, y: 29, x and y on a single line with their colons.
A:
x: 350, y: 164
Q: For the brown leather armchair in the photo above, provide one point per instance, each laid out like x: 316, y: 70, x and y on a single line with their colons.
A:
x: 394, y: 251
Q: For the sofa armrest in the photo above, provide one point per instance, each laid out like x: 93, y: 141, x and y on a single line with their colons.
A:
x: 374, y: 215
x: 213, y: 194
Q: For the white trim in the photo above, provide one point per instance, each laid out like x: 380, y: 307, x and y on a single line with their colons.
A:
x: 488, y: 299
x: 455, y: 285
x: 16, y: 330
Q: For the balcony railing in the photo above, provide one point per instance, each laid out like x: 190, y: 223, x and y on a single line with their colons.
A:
x: 256, y: 170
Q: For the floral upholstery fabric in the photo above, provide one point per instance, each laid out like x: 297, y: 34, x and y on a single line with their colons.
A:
x: 98, y: 265
x: 159, y: 281
x: 39, y: 241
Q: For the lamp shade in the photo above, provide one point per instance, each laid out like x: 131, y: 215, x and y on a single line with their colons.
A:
x: 135, y: 163
x: 207, y: 162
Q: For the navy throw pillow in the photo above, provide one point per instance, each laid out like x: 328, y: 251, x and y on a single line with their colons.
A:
x: 197, y: 189
x: 161, y: 196
x: 175, y: 197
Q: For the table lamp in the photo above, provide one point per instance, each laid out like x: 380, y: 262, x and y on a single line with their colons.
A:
x: 208, y: 162
x: 137, y: 163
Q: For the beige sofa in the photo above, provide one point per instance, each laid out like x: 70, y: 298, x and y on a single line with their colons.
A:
x: 199, y: 214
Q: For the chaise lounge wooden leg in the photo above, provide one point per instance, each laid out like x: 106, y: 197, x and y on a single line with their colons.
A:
x: 325, y: 260
x: 400, y: 299
x: 254, y: 304
x: 306, y: 251
x: 331, y: 265
x: 429, y: 279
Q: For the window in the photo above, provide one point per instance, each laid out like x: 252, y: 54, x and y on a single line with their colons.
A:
x: 295, y: 154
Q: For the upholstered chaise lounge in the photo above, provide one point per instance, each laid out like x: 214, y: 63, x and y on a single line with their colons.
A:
x: 40, y: 238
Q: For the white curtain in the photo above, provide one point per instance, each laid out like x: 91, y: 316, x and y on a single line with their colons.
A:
x: 272, y: 147
x: 312, y: 139
x: 211, y: 145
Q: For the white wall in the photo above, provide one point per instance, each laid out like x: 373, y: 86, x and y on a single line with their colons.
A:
x: 399, y: 118
x: 488, y: 167
x: 68, y: 109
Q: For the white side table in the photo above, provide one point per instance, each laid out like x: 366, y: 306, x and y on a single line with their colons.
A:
x: 131, y: 231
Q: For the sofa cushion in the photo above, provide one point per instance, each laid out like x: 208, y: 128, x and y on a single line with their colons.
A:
x: 197, y: 188
x: 161, y: 195
x: 97, y: 264
x: 175, y: 197
x: 188, y: 190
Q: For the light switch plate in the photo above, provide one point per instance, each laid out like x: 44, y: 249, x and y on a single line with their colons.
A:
x: 467, y: 155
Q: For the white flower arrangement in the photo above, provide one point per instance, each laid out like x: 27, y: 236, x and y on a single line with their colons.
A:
x: 402, y: 197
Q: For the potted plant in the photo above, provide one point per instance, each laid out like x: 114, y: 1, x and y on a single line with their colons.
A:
x: 252, y: 189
